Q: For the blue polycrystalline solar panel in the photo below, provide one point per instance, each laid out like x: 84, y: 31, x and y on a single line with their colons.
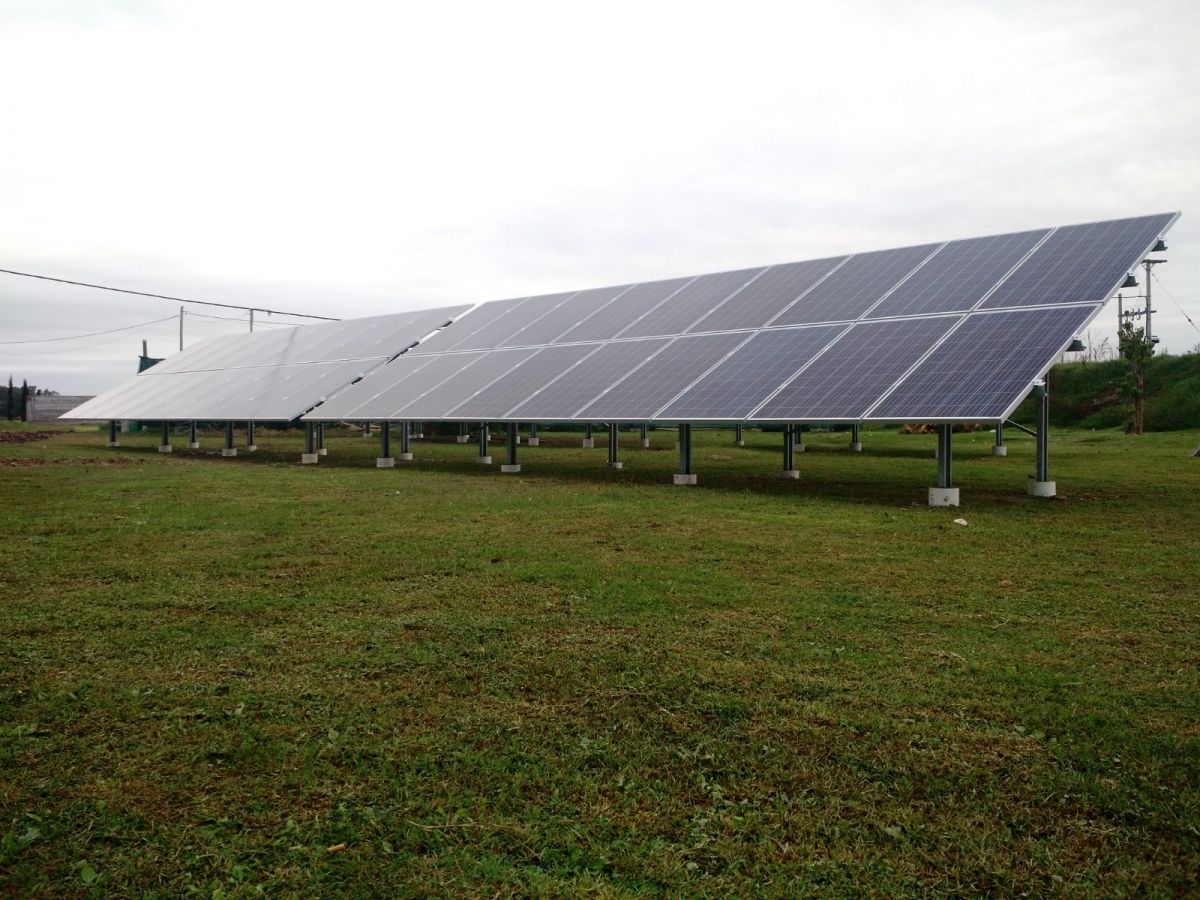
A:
x: 766, y: 296
x: 494, y: 401
x: 856, y: 370
x: 1080, y: 263
x: 369, y: 393
x: 747, y: 377
x: 390, y: 402
x: 959, y: 275
x: 468, y: 326
x: 616, y: 316
x: 662, y: 377
x: 690, y: 304
x: 561, y: 319
x: 858, y: 284
x: 528, y: 313
x: 984, y: 367
x: 578, y: 386
x: 461, y: 386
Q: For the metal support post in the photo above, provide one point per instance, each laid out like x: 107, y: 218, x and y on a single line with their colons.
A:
x: 229, y: 449
x: 366, y: 429
x: 510, y: 450
x: 417, y: 430
x: 385, y: 459
x: 797, y: 439
x: 685, y: 475
x: 112, y: 433
x: 483, y: 458
x: 645, y: 438
x: 321, y: 451
x: 1041, y: 485
x: 309, y: 456
x: 855, y: 438
x: 405, y: 434
x: 613, y: 446
x: 463, y: 434
x: 944, y: 494
x: 737, y: 435
x: 588, y: 441
x: 164, y: 446
x: 998, y: 449
x: 789, y: 452
x: 193, y: 438
x: 251, y: 446
x: 533, y: 438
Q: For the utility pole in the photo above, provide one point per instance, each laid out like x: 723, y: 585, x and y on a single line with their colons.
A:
x: 1148, y: 264
x: 251, y: 320
x: 181, y: 328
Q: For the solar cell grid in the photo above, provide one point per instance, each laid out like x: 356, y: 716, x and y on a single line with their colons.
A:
x: 617, y: 315
x: 390, y: 402
x: 690, y: 304
x: 567, y: 315
x: 1080, y: 263
x: 766, y: 296
x: 377, y: 392
x: 742, y: 381
x: 508, y: 326
x: 575, y: 388
x: 466, y: 327
x: 494, y: 401
x: 985, y: 366
x: 959, y: 276
x: 438, y: 401
x: 856, y: 370
x: 855, y: 286
x: 661, y: 377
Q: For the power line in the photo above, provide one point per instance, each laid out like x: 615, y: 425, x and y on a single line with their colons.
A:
x: 1176, y: 302
x: 101, y: 287
x: 76, y: 337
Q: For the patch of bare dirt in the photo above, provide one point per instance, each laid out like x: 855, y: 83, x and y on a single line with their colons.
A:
x: 24, y: 437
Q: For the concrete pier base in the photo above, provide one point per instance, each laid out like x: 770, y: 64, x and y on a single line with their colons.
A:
x: 939, y: 496
x: 404, y: 457
x: 740, y: 443
x: 685, y: 479
x: 385, y: 462
x: 323, y: 451
x: 463, y: 438
x: 193, y: 445
x: 856, y: 448
x: 309, y: 459
x: 252, y: 448
x: 510, y: 470
x: 164, y: 448
x: 1041, y: 488
x: 229, y: 451
x: 616, y: 465
x: 799, y: 448
x: 533, y: 442
x: 789, y: 473
x: 644, y: 442
x: 112, y: 444
x: 589, y: 443
x: 999, y: 450
x: 484, y: 460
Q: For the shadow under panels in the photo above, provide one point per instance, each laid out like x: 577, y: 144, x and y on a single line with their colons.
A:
x: 1080, y: 263
x: 855, y: 371
x: 985, y: 367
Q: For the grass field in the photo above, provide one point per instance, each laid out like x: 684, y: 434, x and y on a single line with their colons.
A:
x: 244, y: 677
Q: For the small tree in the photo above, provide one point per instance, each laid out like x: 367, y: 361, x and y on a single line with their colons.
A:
x: 1136, y: 349
x: 9, y: 400
x: 24, y: 400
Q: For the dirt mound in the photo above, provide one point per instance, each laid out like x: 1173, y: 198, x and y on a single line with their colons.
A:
x: 932, y: 429
x: 24, y: 437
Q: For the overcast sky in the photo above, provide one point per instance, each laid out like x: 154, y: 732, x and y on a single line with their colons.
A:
x: 348, y: 159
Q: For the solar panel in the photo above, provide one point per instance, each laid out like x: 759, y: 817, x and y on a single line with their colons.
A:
x: 856, y: 286
x: 746, y: 378
x: 664, y: 375
x: 493, y: 402
x: 985, y: 367
x: 616, y: 316
x: 959, y: 276
x: 1080, y: 263
x: 563, y: 317
x: 691, y: 303
x: 468, y: 326
x: 767, y: 296
x: 379, y: 393
x: 528, y: 313
x: 464, y: 384
x: 855, y: 371
x: 579, y: 385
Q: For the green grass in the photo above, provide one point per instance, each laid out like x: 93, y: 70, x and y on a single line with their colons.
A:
x: 581, y: 682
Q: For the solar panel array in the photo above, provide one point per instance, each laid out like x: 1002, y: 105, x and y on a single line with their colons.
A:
x: 265, y: 376
x: 957, y: 331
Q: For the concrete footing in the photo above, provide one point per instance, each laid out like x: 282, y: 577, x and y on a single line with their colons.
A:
x: 789, y: 473
x: 112, y: 444
x: 939, y: 496
x: 385, y: 462
x: 404, y: 457
x: 644, y: 442
x: 510, y: 470
x: 589, y: 443
x: 324, y: 451
x: 229, y: 451
x: 252, y: 448
x: 677, y: 445
x: 856, y: 448
x: 193, y: 445
x: 616, y: 465
x: 999, y: 450
x: 164, y: 448
x: 685, y: 479
x: 1041, y: 488
x: 740, y: 443
x: 799, y: 448
x: 463, y: 438
x: 533, y: 442
x: 308, y: 459
x: 484, y: 460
